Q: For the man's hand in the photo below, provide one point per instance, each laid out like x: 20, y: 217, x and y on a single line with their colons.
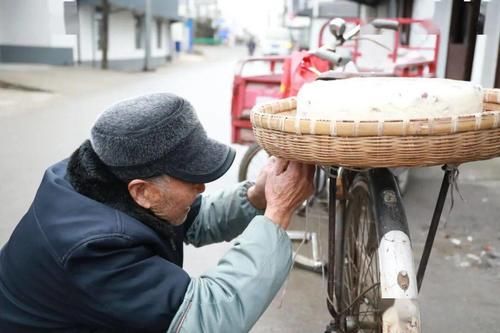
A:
x: 257, y: 193
x: 287, y: 185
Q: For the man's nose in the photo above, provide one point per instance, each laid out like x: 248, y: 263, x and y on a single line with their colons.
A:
x: 200, y: 188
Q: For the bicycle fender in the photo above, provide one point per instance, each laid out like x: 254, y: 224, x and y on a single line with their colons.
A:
x: 397, y: 271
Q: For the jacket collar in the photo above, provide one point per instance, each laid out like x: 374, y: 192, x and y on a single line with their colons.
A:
x: 90, y: 177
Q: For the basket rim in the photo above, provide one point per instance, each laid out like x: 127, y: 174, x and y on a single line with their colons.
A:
x: 269, y: 115
x: 387, y: 151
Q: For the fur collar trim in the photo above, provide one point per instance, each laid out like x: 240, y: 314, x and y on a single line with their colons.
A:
x: 89, y: 176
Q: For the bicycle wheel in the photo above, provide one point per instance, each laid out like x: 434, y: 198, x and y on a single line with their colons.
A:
x: 253, y: 161
x: 361, y: 296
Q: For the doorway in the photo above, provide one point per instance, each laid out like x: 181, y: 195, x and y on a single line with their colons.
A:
x: 462, y: 40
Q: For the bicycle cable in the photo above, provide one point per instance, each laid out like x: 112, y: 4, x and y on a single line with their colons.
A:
x: 296, y: 252
x: 453, y: 180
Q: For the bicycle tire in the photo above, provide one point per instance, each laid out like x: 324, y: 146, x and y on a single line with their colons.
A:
x: 362, y: 302
x: 251, y: 152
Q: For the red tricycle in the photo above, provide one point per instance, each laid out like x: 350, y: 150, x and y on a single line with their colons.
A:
x: 401, y: 47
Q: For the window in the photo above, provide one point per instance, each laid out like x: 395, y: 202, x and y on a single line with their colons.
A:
x: 139, y: 32
x: 159, y: 36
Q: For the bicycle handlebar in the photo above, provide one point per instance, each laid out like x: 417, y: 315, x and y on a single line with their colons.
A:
x: 385, y: 24
x: 331, y: 55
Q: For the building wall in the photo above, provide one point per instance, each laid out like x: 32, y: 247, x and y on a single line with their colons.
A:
x: 33, y: 23
x: 486, y: 49
x: 34, y: 31
x: 165, y: 48
x: 15, y: 14
x: 169, y: 41
x: 486, y: 53
x: 87, y: 46
x: 179, y: 34
x: 122, y: 53
x: 442, y: 17
x: 58, y: 36
x: 423, y: 9
x: 122, y: 37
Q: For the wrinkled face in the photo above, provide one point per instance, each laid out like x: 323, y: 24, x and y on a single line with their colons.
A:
x: 174, y: 198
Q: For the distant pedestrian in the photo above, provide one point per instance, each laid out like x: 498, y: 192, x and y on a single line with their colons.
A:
x: 251, y: 44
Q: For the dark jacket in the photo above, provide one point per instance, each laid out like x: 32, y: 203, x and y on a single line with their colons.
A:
x: 89, y: 264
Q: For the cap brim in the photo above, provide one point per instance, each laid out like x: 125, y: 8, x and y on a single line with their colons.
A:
x: 205, y: 161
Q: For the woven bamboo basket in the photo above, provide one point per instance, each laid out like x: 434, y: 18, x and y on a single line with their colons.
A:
x: 372, y: 144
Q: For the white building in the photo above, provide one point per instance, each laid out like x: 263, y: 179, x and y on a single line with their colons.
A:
x: 43, y: 31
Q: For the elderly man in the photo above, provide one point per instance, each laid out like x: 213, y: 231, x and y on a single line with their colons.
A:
x: 100, y: 248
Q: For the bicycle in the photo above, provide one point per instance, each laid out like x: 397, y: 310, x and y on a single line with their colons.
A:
x: 372, y: 283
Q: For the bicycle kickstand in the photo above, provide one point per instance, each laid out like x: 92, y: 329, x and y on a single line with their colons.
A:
x: 450, y: 173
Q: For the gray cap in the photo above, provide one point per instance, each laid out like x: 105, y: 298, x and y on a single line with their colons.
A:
x: 158, y: 134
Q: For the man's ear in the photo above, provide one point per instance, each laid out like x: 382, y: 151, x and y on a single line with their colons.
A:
x: 143, y: 192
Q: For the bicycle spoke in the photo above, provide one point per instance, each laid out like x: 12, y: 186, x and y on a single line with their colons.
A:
x: 362, y: 248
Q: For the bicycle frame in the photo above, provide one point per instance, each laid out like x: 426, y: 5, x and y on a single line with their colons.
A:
x: 397, y: 263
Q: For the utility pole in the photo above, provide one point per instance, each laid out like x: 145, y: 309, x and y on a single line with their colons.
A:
x: 147, y: 39
x: 78, y: 39
x: 105, y: 24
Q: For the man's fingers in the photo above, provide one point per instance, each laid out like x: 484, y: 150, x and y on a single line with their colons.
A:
x: 296, y: 168
x: 280, y: 166
x: 306, y: 170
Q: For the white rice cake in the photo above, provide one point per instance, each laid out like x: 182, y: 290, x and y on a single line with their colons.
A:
x: 388, y: 98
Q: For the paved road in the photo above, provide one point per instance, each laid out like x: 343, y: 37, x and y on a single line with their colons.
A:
x: 37, y: 129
